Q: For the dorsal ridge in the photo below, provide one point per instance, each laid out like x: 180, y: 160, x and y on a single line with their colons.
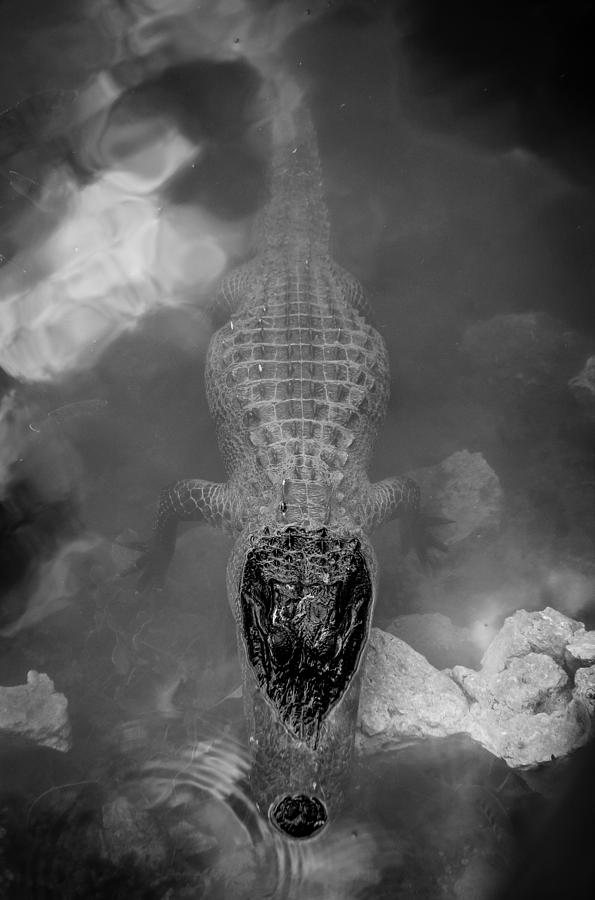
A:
x: 295, y: 214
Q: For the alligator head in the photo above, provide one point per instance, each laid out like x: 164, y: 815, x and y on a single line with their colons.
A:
x: 303, y: 605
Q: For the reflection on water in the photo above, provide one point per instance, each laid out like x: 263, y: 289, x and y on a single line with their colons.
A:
x: 457, y: 166
x: 251, y: 857
x: 112, y: 258
x: 177, y: 824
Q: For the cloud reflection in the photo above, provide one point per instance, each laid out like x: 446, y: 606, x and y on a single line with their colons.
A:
x: 116, y: 255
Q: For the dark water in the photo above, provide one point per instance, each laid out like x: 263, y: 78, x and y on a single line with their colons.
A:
x: 457, y: 147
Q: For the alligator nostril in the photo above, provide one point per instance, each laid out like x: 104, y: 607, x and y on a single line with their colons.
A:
x: 298, y: 816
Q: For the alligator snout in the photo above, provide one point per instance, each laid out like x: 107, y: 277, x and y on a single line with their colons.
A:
x: 298, y: 815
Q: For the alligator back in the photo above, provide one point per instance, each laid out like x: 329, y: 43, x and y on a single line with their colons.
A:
x: 297, y: 379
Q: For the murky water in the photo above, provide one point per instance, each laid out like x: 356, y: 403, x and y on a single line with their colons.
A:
x: 457, y: 155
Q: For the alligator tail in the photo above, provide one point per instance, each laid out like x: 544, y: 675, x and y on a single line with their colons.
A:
x: 296, y: 212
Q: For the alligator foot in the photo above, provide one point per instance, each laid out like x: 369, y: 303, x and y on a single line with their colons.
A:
x: 416, y: 534
x: 188, y: 500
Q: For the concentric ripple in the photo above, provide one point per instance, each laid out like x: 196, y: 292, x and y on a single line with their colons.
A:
x: 206, y: 785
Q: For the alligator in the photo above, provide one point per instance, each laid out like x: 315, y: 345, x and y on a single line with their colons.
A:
x: 297, y: 382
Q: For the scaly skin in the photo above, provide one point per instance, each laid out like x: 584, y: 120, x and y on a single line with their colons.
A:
x: 298, y: 383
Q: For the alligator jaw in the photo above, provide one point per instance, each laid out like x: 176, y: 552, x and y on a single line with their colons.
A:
x: 305, y: 603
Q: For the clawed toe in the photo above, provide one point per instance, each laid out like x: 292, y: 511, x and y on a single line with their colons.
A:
x: 138, y: 546
x: 417, y: 535
x: 432, y: 521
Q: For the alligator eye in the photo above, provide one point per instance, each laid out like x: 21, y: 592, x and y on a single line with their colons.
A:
x: 281, y: 644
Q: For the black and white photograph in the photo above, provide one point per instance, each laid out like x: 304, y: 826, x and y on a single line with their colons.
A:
x: 297, y: 450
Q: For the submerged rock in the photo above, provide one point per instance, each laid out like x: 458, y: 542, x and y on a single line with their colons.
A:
x: 523, y: 352
x: 464, y: 488
x: 36, y: 712
x: 133, y: 833
x: 582, y: 387
x: 525, y: 704
x: 480, y: 879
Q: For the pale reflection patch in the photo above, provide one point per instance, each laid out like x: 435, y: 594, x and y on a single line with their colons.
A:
x: 115, y: 256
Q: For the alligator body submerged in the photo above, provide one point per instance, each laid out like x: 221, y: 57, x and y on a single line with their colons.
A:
x: 297, y: 382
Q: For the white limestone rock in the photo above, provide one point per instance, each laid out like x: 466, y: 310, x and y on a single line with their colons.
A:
x: 546, y: 631
x: 584, y: 687
x: 404, y: 697
x: 529, y: 683
x: 580, y: 652
x: 526, y: 739
x: 36, y: 711
x: 522, y: 705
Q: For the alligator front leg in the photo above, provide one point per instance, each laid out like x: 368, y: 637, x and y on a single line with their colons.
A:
x: 399, y: 497
x: 188, y: 500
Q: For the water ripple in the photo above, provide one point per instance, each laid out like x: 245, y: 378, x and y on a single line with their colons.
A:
x: 206, y: 785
